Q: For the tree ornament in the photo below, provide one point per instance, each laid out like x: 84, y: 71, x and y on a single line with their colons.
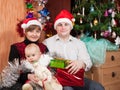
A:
x: 113, y: 14
x: 106, y: 34
x: 78, y: 13
x: 102, y: 33
x: 81, y: 21
x: 29, y: 5
x: 110, y: 10
x: 117, y: 40
x: 113, y: 1
x: 44, y: 12
x: 76, y: 6
x: 30, y: 15
x: 113, y: 22
x: 44, y: 1
x: 91, y: 8
x: 73, y: 21
x: 106, y: 13
x: 113, y: 34
x: 91, y: 25
x: 109, y: 28
x: 42, y: 19
x: 41, y: 2
x: 95, y: 35
x: 83, y: 11
x: 48, y: 18
x: 95, y: 22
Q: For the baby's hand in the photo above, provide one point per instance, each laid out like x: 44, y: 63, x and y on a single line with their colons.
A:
x: 40, y: 83
x: 33, y: 78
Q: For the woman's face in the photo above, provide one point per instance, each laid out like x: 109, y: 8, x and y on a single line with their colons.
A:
x: 33, y: 35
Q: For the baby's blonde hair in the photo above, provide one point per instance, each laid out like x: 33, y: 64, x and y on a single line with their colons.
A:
x: 31, y: 47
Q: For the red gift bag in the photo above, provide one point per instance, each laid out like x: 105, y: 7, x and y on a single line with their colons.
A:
x: 67, y: 79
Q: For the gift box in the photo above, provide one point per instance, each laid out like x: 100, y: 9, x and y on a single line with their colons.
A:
x: 62, y: 75
x: 59, y: 63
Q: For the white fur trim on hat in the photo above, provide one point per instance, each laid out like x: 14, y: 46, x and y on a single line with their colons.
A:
x: 63, y: 20
x: 31, y: 22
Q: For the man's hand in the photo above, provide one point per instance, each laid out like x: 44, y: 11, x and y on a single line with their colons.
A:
x: 74, y: 66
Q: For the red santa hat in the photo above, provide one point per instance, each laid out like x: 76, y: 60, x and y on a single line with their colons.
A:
x: 64, y: 16
x: 30, y: 21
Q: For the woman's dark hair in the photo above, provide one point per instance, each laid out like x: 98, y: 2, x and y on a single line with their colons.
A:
x: 32, y: 27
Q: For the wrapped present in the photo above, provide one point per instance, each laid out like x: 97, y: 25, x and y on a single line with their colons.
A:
x: 59, y: 63
x: 65, y: 78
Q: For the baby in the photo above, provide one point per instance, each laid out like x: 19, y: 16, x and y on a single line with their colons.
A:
x: 38, y: 63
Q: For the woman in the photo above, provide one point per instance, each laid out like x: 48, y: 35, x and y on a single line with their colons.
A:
x: 32, y: 30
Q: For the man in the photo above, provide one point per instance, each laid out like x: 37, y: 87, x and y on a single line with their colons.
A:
x: 63, y: 45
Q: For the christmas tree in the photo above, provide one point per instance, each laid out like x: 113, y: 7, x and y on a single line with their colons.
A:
x: 97, y: 18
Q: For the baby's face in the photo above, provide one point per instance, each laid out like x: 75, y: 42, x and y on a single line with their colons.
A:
x: 33, y: 56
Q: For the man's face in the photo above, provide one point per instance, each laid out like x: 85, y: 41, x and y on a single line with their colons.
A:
x: 63, y: 29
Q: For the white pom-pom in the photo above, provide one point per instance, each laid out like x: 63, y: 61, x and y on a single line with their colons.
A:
x: 73, y: 19
x: 23, y: 26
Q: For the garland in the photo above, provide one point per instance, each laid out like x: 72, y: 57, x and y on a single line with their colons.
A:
x: 36, y: 8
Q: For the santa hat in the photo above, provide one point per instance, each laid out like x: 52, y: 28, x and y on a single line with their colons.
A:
x: 30, y: 21
x: 64, y: 16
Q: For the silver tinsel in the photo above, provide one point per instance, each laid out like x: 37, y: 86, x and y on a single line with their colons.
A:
x: 10, y: 74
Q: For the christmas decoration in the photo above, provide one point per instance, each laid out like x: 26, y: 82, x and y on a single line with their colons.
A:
x: 117, y: 40
x: 10, y: 74
x: 99, y: 17
x: 35, y: 9
x: 69, y: 79
x: 59, y: 63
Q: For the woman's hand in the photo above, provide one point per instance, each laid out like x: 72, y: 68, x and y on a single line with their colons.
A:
x: 74, y: 66
x: 33, y: 78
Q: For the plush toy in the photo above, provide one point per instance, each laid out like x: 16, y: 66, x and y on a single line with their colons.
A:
x: 46, y: 80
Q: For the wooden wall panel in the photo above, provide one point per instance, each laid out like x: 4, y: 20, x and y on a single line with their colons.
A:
x: 11, y: 10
